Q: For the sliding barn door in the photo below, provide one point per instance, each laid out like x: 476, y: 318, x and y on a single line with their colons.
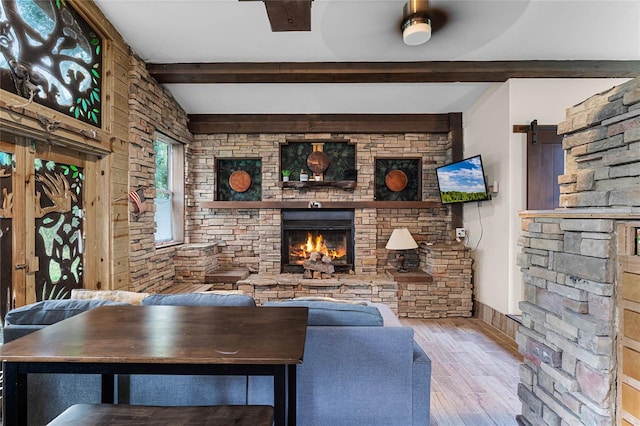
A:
x: 545, y: 162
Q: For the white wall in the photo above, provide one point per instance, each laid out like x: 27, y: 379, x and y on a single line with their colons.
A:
x: 488, y: 131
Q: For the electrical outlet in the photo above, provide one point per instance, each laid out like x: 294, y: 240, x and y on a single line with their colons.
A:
x: 461, y: 233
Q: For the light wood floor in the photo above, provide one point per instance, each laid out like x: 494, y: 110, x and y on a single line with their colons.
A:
x: 474, y: 371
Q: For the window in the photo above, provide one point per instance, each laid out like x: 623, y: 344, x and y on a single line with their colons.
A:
x: 169, y: 183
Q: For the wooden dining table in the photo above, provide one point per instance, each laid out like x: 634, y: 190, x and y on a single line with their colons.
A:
x: 173, y: 340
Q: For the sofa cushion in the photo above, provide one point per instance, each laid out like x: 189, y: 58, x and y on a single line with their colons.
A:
x: 199, y: 299
x: 131, y: 297
x: 336, y: 313
x: 49, y: 312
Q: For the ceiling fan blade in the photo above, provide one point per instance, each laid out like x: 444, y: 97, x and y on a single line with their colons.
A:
x: 438, y: 17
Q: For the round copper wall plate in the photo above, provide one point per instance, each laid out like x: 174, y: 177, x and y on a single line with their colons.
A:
x: 396, y: 180
x: 239, y: 181
x: 318, y: 161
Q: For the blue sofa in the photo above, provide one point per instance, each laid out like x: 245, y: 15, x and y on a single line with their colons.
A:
x: 361, y: 366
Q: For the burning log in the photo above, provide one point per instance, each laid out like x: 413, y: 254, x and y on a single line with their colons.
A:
x: 318, y: 266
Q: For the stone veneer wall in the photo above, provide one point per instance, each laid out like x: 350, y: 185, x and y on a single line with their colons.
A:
x: 192, y: 262
x: 448, y: 294
x: 151, y: 109
x: 452, y: 293
x: 569, y: 264
x: 251, y: 237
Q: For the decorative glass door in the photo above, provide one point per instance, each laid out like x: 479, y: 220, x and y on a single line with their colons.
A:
x: 59, y: 228
x: 42, y: 233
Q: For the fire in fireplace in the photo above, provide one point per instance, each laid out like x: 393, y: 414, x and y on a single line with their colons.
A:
x: 325, y: 231
x: 334, y: 248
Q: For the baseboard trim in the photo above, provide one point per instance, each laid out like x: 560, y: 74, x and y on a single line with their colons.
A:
x: 507, y: 324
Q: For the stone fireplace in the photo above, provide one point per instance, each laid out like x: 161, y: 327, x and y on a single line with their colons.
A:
x: 327, y: 231
x: 250, y: 233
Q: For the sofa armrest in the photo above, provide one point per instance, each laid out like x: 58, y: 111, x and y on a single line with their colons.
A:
x: 421, y: 386
x: 390, y: 319
x: 352, y: 376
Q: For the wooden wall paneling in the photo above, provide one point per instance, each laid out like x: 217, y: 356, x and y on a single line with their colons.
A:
x: 19, y: 210
x: 119, y: 172
x: 631, y: 324
x: 631, y: 400
x: 630, y: 263
x: 113, y: 263
x: 631, y: 286
x: 120, y: 280
x: 107, y: 86
x: 102, y: 263
x: 69, y: 132
x: 113, y: 232
x: 631, y: 363
x: 628, y: 395
x: 92, y: 225
x: 25, y: 157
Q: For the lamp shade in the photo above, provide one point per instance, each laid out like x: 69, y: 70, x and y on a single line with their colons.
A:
x: 401, y: 239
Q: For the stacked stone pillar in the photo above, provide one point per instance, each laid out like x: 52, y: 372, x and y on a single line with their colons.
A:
x: 448, y: 292
x: 568, y: 332
x: 569, y: 265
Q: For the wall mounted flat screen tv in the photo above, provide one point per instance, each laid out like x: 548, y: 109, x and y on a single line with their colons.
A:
x: 462, y: 181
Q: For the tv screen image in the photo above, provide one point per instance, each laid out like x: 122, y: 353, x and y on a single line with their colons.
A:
x: 462, y: 181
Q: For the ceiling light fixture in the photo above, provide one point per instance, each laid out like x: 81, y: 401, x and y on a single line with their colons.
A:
x: 416, y: 23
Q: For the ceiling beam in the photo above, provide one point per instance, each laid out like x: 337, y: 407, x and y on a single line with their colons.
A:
x: 387, y: 72
x: 288, y: 15
x: 319, y: 123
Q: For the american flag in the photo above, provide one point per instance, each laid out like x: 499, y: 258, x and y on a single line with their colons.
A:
x: 137, y: 197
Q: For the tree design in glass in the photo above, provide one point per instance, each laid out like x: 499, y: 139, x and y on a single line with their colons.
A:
x: 59, y: 229
x: 49, y: 53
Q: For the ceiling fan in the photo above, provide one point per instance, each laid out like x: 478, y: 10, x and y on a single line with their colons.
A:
x: 419, y: 21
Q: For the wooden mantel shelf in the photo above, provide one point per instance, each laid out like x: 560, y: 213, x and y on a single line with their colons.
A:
x: 347, y: 185
x: 288, y: 204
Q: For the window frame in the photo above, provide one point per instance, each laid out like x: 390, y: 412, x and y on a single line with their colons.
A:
x: 176, y: 181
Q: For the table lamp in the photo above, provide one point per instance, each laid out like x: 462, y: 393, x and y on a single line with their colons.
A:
x: 401, y: 239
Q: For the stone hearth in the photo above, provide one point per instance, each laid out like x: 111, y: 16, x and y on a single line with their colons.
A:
x: 374, y: 288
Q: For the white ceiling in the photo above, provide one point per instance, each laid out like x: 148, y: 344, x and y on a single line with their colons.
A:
x: 169, y: 31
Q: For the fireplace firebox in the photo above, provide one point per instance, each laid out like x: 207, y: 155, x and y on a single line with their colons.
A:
x: 327, y: 231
